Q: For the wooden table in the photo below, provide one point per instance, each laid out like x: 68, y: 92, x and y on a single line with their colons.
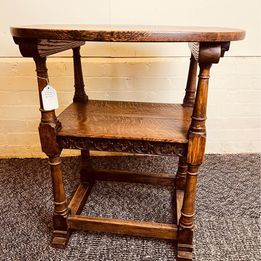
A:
x: 133, y: 127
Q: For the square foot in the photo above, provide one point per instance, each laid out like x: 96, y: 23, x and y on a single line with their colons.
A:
x: 60, y: 241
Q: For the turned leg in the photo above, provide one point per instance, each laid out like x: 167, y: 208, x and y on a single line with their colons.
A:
x: 181, y: 174
x: 79, y: 94
x: 186, y: 222
x: 189, y: 98
x: 86, y: 172
x: 48, y: 129
x: 60, y: 232
x: 195, y: 157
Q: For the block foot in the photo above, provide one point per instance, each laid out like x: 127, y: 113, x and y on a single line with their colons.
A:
x: 184, y: 252
x: 60, y: 239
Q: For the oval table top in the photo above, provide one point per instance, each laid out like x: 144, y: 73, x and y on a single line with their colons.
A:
x: 128, y: 33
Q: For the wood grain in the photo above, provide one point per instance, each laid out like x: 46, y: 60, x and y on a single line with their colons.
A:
x: 179, y: 202
x: 126, y: 176
x: 126, y: 120
x: 79, y: 91
x: 207, y: 52
x: 195, y: 157
x: 79, y: 198
x: 123, y: 227
x: 44, y: 47
x: 181, y: 175
x: 128, y: 33
x: 48, y: 128
x: 189, y: 98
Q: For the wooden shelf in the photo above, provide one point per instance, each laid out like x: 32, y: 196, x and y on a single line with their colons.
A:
x: 126, y: 120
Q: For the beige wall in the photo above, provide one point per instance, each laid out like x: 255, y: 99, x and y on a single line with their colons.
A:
x: 139, y: 72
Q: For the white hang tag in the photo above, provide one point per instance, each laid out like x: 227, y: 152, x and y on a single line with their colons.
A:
x: 49, y: 98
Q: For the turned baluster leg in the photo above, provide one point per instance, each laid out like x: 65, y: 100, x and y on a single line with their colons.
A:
x: 195, y: 157
x: 181, y: 173
x: 60, y: 233
x: 188, y: 101
x: 86, y: 172
x: 79, y: 93
x: 80, y: 96
x: 48, y: 128
x: 189, y: 98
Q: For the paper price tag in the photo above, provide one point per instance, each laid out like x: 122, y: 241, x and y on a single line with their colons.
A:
x: 49, y: 98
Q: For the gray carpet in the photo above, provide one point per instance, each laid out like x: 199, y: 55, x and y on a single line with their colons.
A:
x: 228, y: 210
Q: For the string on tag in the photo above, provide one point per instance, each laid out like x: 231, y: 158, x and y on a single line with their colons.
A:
x: 44, y: 78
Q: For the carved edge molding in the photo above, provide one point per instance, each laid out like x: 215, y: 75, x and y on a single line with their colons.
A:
x: 119, y: 145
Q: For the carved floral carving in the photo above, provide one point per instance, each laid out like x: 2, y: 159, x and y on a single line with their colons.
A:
x: 118, y: 145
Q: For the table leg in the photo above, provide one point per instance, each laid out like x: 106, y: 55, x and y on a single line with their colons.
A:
x: 79, y: 94
x: 86, y: 172
x: 60, y: 233
x: 195, y: 157
x: 186, y: 222
x: 189, y: 98
x: 48, y: 128
x: 181, y: 174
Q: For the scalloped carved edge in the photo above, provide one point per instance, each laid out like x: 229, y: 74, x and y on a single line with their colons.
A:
x: 119, y: 145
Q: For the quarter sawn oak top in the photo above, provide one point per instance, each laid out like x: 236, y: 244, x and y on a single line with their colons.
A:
x: 125, y: 33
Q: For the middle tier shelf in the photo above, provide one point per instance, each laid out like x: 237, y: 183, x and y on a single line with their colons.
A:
x: 140, y: 121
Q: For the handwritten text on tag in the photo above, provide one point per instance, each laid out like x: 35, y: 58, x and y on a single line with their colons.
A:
x: 49, y: 98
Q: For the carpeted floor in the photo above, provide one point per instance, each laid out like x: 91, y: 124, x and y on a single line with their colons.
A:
x: 228, y: 210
